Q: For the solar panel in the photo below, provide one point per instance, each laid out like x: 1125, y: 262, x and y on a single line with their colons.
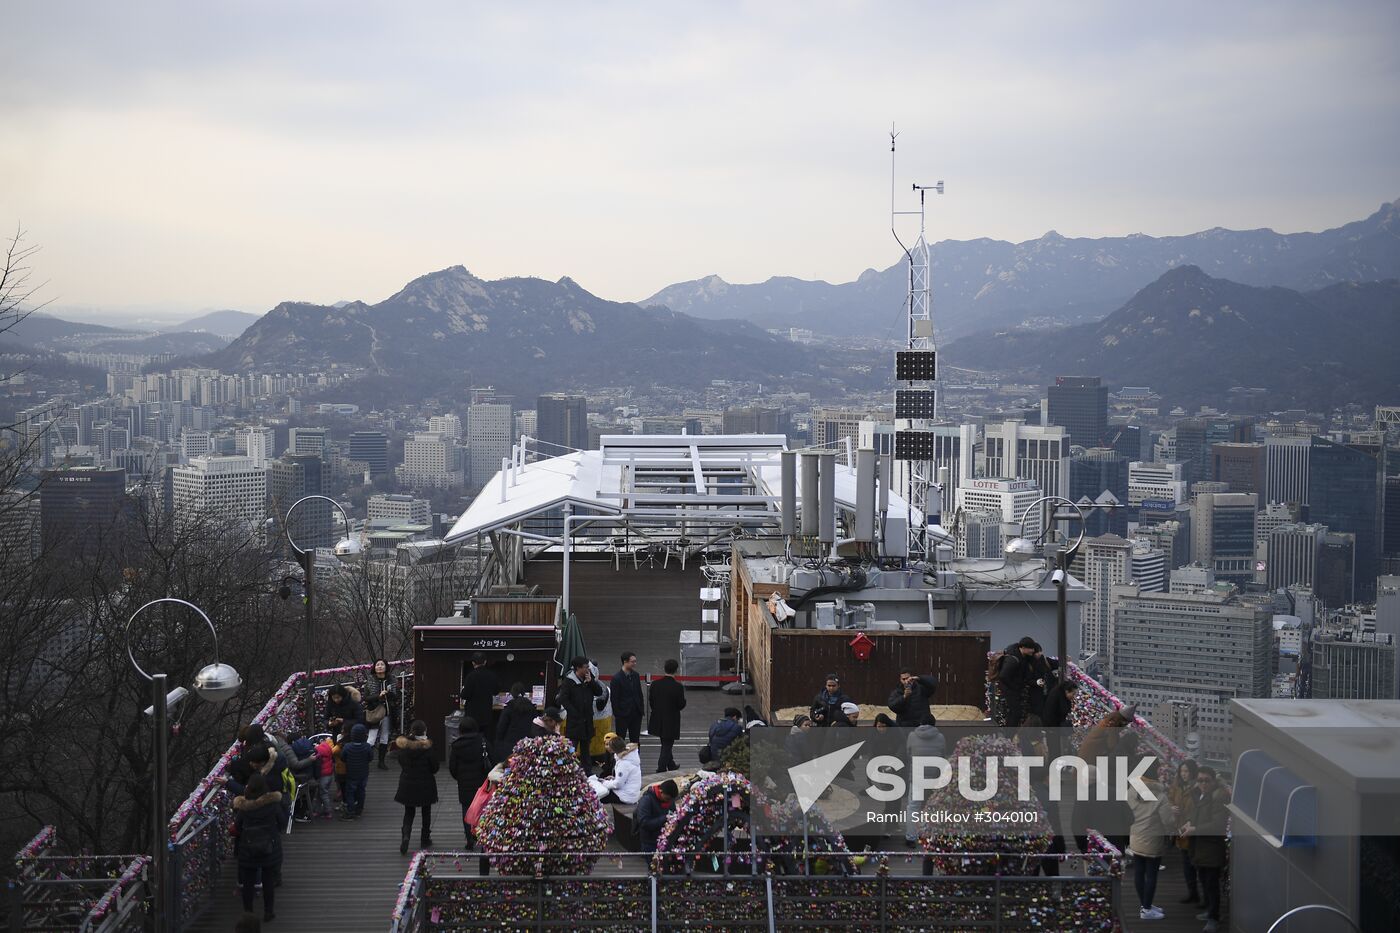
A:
x: 913, y: 445
x: 915, y: 365
x: 914, y: 403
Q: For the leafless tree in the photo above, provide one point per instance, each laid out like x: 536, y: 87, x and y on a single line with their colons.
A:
x: 77, y: 745
x: 369, y: 607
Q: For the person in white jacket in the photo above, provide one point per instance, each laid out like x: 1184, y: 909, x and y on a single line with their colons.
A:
x: 625, y: 785
x: 1150, y: 837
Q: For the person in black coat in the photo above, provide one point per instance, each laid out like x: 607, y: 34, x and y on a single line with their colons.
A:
x: 514, y: 722
x: 479, y: 691
x: 343, y: 709
x: 1058, y: 705
x: 468, y: 763
x: 577, y: 693
x: 909, y: 701
x: 667, y: 699
x: 259, y: 817
x: 1009, y: 683
x: 626, y: 689
x: 826, y: 706
x: 649, y: 818
x: 417, y: 784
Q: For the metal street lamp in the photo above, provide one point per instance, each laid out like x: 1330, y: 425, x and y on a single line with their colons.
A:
x: 345, y: 547
x: 1024, y: 547
x: 215, y: 683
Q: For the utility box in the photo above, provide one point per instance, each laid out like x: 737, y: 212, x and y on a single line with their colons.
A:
x: 700, y: 660
x: 896, y: 536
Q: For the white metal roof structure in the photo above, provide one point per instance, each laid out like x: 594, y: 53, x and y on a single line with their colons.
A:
x: 727, y: 476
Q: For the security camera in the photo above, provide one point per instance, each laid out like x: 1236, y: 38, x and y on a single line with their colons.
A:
x: 1058, y: 578
x: 172, y: 700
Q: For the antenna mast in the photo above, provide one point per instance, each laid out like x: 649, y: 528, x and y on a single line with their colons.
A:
x: 916, y: 406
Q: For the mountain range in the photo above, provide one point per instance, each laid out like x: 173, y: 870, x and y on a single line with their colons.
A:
x: 984, y: 284
x: 1192, y: 337
x: 45, y: 332
x: 523, y: 335
x: 225, y: 323
x: 1308, y: 316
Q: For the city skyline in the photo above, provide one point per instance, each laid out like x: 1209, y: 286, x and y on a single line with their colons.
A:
x: 158, y: 159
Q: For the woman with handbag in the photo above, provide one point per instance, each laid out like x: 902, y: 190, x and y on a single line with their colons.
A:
x: 468, y: 762
x: 380, y: 696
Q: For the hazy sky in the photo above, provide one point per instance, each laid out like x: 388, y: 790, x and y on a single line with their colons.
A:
x: 197, y: 155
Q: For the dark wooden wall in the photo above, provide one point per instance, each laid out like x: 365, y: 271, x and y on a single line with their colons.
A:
x: 798, y: 661
x: 520, y: 610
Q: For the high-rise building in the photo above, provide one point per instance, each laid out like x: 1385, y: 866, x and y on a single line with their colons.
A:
x: 1129, y: 440
x: 372, y: 447
x: 1223, y: 537
x: 1105, y: 562
x: 1015, y: 450
x: 1345, y: 484
x: 1348, y: 663
x: 1239, y: 465
x: 449, y: 425
x: 1390, y: 524
x: 1192, y: 450
x: 1171, y: 537
x: 1198, y: 648
x: 561, y: 423
x: 488, y: 439
x: 1292, y: 555
x: 431, y: 461
x: 220, y: 489
x: 1286, y: 468
x: 755, y: 420
x: 307, y: 441
x: 21, y: 531
x: 1272, y: 516
x: 1336, y: 569
x: 1079, y: 404
x: 526, y: 421
x: 79, y: 508
x: 257, y: 444
x: 1149, y: 566
x: 980, y: 534
x: 291, y: 478
x: 1178, y: 720
x: 1092, y: 473
x: 1158, y: 482
x: 402, y: 510
x: 1007, y: 498
x: 1191, y: 579
x: 194, y: 444
x: 830, y: 426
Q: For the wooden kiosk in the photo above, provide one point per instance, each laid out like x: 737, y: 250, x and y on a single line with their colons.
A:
x: 518, y: 635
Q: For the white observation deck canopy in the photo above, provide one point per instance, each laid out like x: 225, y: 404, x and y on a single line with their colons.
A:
x: 729, y: 478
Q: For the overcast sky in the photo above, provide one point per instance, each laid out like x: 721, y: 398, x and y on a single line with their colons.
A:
x: 199, y: 155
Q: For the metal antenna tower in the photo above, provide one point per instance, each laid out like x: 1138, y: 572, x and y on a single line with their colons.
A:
x: 916, y: 403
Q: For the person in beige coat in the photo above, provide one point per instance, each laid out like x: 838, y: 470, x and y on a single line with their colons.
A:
x: 1154, y: 823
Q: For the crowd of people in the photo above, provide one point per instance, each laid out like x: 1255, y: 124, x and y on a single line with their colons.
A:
x: 1185, y: 810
